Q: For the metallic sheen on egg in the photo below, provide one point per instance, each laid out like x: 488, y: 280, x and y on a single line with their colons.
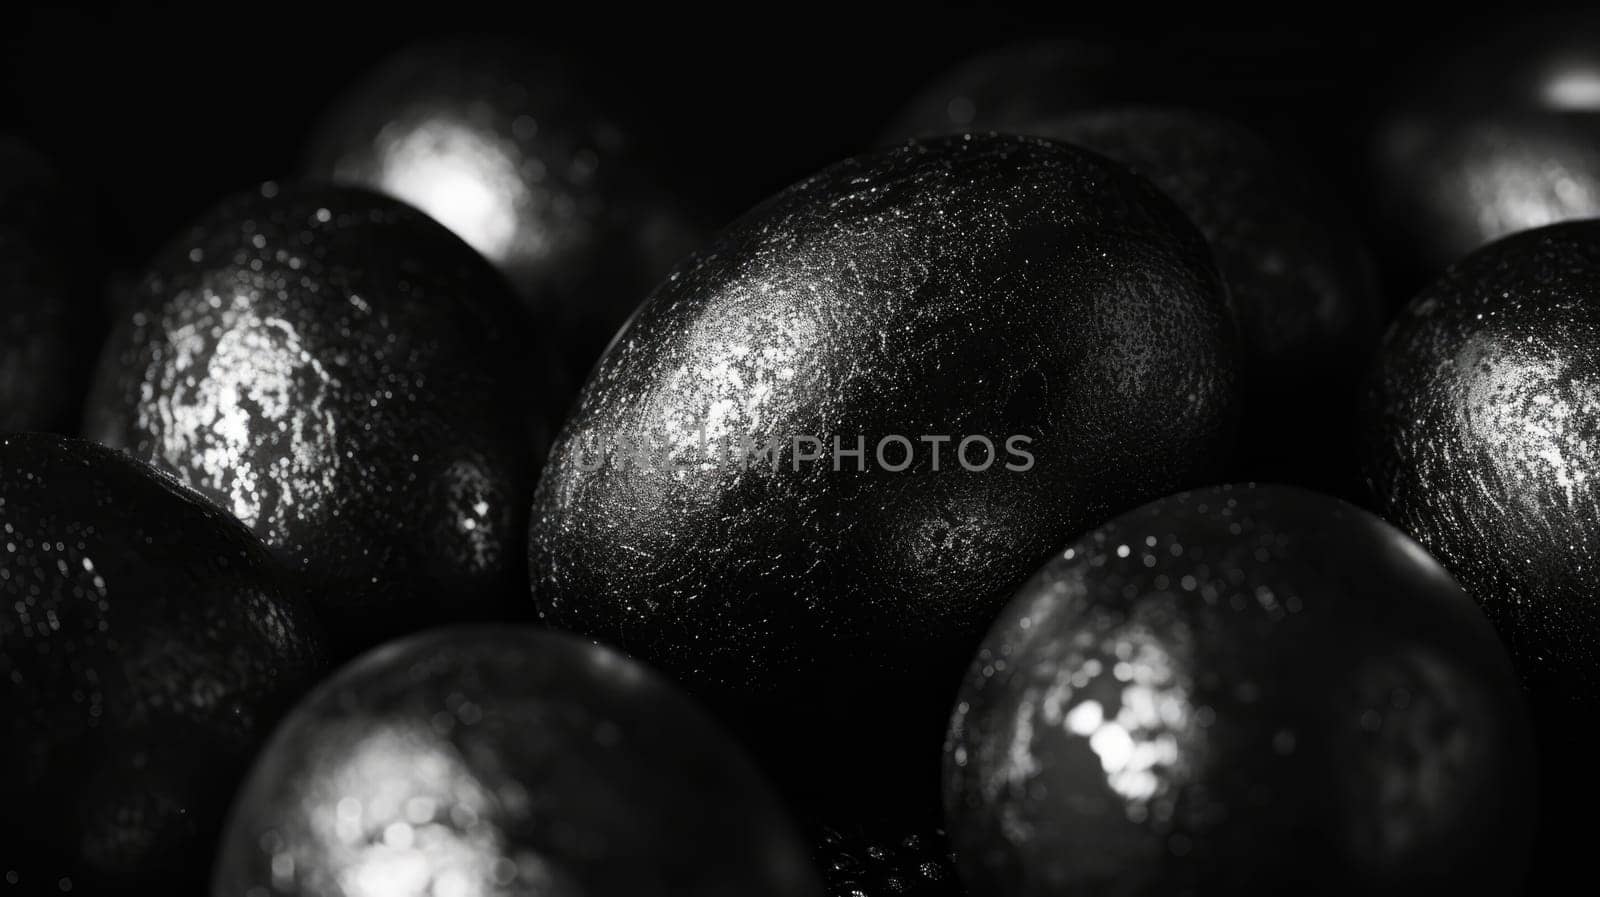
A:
x: 998, y: 286
x: 1241, y: 690
x: 504, y: 762
x: 1482, y: 440
x: 354, y: 383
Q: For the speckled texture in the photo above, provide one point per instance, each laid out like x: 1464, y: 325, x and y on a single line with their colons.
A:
x: 501, y: 143
x: 1302, y: 286
x: 1241, y: 690
x: 1493, y: 133
x: 501, y: 762
x: 353, y: 383
x: 988, y: 285
x: 877, y: 861
x: 147, y: 643
x: 1483, y: 441
x: 49, y: 323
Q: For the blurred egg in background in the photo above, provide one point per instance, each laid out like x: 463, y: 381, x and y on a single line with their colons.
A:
x: 500, y: 143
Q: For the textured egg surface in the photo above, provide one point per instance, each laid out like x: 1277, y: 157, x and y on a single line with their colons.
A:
x: 1241, y: 690
x: 147, y: 644
x: 352, y: 382
x: 1482, y: 439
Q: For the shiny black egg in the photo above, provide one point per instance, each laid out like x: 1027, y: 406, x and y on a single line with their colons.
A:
x: 49, y: 316
x: 1491, y: 133
x: 1302, y: 286
x: 354, y: 383
x: 148, y: 642
x: 507, y: 146
x: 875, y: 860
x: 1482, y: 440
x: 1241, y: 690
x: 509, y: 760
x: 828, y: 447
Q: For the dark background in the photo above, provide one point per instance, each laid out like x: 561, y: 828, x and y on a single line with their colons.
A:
x: 163, y: 110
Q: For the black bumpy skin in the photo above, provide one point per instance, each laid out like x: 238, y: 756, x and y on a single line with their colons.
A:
x: 1482, y: 440
x: 506, y: 761
x: 1241, y: 690
x: 50, y: 323
x: 503, y: 144
x: 351, y: 381
x: 988, y: 285
x: 1301, y: 283
x: 147, y: 645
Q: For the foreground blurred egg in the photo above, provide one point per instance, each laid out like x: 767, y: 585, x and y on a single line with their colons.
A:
x: 1483, y: 441
x: 1006, y: 289
x: 49, y: 325
x: 1302, y: 286
x: 147, y: 643
x: 501, y: 145
x: 478, y: 762
x: 351, y: 381
x: 1496, y: 133
x: 1241, y: 690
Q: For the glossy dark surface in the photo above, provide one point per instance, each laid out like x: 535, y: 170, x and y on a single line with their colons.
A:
x: 352, y: 382
x: 505, y: 761
x: 1495, y: 131
x: 147, y: 644
x: 1241, y: 690
x: 885, y: 861
x: 993, y: 286
x: 501, y: 144
x: 49, y: 321
x: 1302, y: 286
x: 1483, y: 441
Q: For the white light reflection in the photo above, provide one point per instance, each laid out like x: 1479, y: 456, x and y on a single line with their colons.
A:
x: 402, y: 815
x: 1528, y: 414
x: 1123, y: 694
x: 464, y: 178
x: 1574, y: 88
x: 241, y: 406
x: 1516, y: 182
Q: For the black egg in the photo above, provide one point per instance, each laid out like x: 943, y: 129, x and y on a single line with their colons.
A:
x: 351, y: 381
x: 1493, y: 133
x: 1245, y: 74
x: 1021, y: 82
x: 49, y: 321
x: 147, y: 644
x: 1302, y: 286
x: 505, y: 761
x: 1240, y: 690
x: 504, y: 145
x: 873, y: 860
x: 1003, y: 289
x: 1482, y: 440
